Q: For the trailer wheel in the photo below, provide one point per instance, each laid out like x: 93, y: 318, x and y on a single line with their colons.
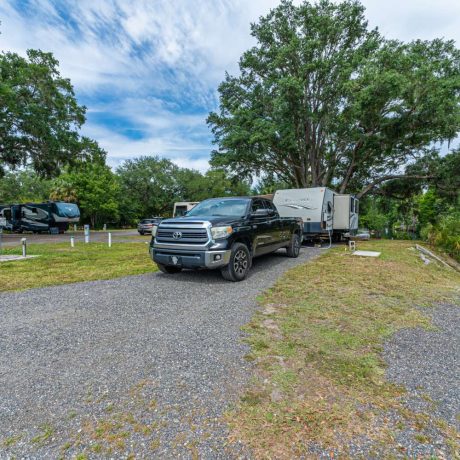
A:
x: 240, y: 262
x: 168, y: 269
x: 293, y: 250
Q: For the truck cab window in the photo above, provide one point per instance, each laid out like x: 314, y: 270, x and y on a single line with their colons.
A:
x: 257, y: 204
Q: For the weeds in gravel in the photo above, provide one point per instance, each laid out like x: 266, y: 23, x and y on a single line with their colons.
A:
x: 45, y: 435
x: 61, y: 264
x: 10, y: 441
x: 317, y: 344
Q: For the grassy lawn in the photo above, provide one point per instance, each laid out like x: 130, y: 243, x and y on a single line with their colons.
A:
x: 316, y: 345
x: 60, y: 264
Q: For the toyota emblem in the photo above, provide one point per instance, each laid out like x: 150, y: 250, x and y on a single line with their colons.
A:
x: 177, y: 235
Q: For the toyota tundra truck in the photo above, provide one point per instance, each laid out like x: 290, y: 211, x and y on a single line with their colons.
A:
x: 225, y: 234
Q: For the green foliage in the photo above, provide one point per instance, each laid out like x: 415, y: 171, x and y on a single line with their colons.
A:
x: 430, y: 207
x: 95, y: 189
x: 214, y: 183
x: 447, y: 180
x: 23, y: 186
x: 445, y: 234
x: 149, y: 186
x: 322, y: 100
x: 374, y: 220
x: 39, y: 114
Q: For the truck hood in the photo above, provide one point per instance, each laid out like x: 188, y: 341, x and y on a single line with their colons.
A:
x: 214, y: 220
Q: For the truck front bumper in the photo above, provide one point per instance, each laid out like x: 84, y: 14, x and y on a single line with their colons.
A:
x: 190, y: 259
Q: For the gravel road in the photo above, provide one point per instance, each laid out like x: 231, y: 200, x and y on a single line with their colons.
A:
x: 427, y: 364
x: 145, y: 364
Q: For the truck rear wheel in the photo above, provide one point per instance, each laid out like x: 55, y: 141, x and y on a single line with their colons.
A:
x: 293, y: 250
x: 240, y: 262
x: 168, y: 269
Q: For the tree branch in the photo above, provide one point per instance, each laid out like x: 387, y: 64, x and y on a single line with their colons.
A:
x: 370, y: 186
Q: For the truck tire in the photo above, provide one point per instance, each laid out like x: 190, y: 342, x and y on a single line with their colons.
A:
x: 168, y: 269
x: 240, y: 262
x: 293, y: 250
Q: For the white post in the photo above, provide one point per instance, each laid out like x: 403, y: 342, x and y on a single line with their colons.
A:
x: 24, y: 247
x: 104, y: 228
x: 72, y: 241
x: 86, y: 233
x: 74, y: 227
x: 110, y: 240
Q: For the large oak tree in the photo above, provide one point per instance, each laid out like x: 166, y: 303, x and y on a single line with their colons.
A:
x: 39, y: 114
x: 322, y: 100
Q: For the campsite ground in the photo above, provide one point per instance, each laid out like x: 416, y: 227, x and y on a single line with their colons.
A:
x: 343, y: 356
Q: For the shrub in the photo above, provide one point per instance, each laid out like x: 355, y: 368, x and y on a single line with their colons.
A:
x: 445, y: 234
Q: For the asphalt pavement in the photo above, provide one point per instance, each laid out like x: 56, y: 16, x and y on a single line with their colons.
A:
x: 120, y: 236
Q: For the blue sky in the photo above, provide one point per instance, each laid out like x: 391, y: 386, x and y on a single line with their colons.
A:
x: 148, y: 70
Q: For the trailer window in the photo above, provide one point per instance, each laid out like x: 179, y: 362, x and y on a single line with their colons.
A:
x: 329, y: 207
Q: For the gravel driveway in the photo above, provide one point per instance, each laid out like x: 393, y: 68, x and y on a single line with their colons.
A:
x: 144, y: 364
x: 427, y: 364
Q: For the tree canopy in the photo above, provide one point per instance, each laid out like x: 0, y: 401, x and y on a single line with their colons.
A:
x: 150, y: 186
x: 321, y: 100
x: 39, y: 114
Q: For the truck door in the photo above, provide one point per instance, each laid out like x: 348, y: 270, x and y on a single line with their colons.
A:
x: 262, y: 229
x: 276, y: 224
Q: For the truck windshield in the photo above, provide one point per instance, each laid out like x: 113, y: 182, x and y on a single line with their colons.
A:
x: 67, y: 210
x: 216, y: 207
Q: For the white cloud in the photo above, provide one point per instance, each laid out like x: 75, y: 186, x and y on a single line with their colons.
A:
x: 158, y: 63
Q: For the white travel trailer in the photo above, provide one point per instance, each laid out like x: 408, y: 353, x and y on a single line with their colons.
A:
x: 181, y: 207
x: 323, y: 211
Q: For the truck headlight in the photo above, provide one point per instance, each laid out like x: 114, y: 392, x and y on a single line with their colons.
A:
x: 154, y: 230
x: 220, y: 232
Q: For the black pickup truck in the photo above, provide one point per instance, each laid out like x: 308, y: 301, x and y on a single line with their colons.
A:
x: 224, y: 233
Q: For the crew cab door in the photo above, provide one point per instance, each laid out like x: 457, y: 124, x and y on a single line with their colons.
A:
x: 274, y: 223
x: 283, y: 226
x: 261, y: 228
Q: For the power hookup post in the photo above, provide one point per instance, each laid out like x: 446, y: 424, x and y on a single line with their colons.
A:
x: 24, y: 247
x: 86, y: 233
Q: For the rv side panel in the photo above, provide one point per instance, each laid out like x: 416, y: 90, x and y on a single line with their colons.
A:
x: 342, y: 212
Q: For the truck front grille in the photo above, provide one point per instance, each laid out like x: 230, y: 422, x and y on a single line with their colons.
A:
x: 182, y: 235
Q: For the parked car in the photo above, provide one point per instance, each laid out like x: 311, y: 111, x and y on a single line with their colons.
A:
x: 224, y: 233
x: 363, y: 234
x: 145, y: 225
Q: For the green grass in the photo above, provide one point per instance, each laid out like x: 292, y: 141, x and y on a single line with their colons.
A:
x: 317, y: 347
x: 61, y: 264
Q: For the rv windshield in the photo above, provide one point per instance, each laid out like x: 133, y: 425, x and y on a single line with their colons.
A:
x: 67, y: 210
x: 220, y: 207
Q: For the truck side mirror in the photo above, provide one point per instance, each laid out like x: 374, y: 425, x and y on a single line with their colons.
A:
x: 258, y: 213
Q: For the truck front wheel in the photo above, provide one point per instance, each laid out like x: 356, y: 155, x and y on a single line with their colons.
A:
x: 168, y: 269
x: 240, y: 261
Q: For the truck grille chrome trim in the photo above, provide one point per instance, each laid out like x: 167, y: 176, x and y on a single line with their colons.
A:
x: 193, y: 234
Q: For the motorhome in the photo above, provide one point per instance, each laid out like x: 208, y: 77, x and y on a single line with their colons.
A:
x: 51, y: 216
x: 324, y: 212
x: 182, y: 207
